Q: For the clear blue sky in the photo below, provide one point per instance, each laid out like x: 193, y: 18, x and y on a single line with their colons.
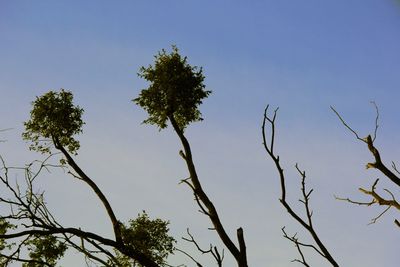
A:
x: 302, y: 56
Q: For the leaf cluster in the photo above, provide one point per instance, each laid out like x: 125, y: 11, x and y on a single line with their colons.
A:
x: 54, y: 118
x: 45, y: 249
x: 148, y: 236
x: 4, y: 226
x: 176, y: 89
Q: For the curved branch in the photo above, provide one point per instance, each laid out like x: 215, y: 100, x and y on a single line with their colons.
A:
x: 30, y: 211
x: 378, y: 164
x: 239, y: 255
x: 96, y: 189
x: 275, y: 158
x: 129, y: 251
x: 213, y: 250
x: 53, y: 230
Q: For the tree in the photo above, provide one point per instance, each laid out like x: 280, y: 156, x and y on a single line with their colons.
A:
x: 175, y: 92
x: 30, y: 234
x: 54, y: 122
x: 167, y: 98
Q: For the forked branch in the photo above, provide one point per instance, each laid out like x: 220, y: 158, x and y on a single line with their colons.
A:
x: 213, y: 250
x: 393, y: 176
x: 29, y: 219
x: 306, y: 224
x: 369, y: 141
x: 376, y: 199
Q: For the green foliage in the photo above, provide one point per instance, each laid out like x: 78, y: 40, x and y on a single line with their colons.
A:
x: 149, y: 237
x: 46, y: 249
x: 176, y: 89
x: 3, y: 230
x: 54, y: 118
x: 4, y: 226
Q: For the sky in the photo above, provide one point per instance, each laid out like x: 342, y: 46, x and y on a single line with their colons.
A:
x: 300, y: 56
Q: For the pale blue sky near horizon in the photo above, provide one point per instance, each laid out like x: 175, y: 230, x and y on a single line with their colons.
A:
x: 301, y: 56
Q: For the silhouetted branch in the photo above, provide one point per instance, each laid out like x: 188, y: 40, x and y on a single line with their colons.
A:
x: 213, y: 250
x: 395, y: 167
x: 376, y: 199
x: 205, y: 204
x: 196, y: 197
x: 198, y: 264
x: 307, y: 225
x: 96, y: 189
x: 379, y: 165
x: 298, y: 245
x: 32, y: 219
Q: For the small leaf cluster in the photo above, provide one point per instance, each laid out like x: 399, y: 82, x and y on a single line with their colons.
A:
x: 176, y: 89
x: 46, y: 249
x: 54, y: 118
x: 4, y: 226
x: 148, y: 236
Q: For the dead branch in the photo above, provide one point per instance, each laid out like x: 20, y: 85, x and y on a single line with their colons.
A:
x: 307, y: 225
x: 213, y: 250
x: 379, y: 165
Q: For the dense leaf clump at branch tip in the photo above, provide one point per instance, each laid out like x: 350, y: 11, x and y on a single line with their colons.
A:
x: 54, y: 119
x: 176, y: 90
x: 148, y: 236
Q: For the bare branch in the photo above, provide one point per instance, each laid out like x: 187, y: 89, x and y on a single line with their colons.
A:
x: 374, y: 220
x: 295, y: 240
x: 322, y: 250
x: 347, y: 126
x: 188, y: 255
x: 376, y: 199
x: 376, y: 120
x: 213, y: 250
x: 378, y: 164
x: 395, y: 167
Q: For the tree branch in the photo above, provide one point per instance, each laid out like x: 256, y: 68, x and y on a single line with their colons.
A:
x: 212, y: 250
x: 378, y: 164
x: 30, y: 212
x: 275, y: 158
x: 212, y: 213
x: 96, y: 189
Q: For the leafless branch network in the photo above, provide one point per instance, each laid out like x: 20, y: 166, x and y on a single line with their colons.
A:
x: 269, y: 123
x: 378, y: 164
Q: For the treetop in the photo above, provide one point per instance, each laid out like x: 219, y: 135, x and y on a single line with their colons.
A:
x: 176, y: 90
x: 54, y: 119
